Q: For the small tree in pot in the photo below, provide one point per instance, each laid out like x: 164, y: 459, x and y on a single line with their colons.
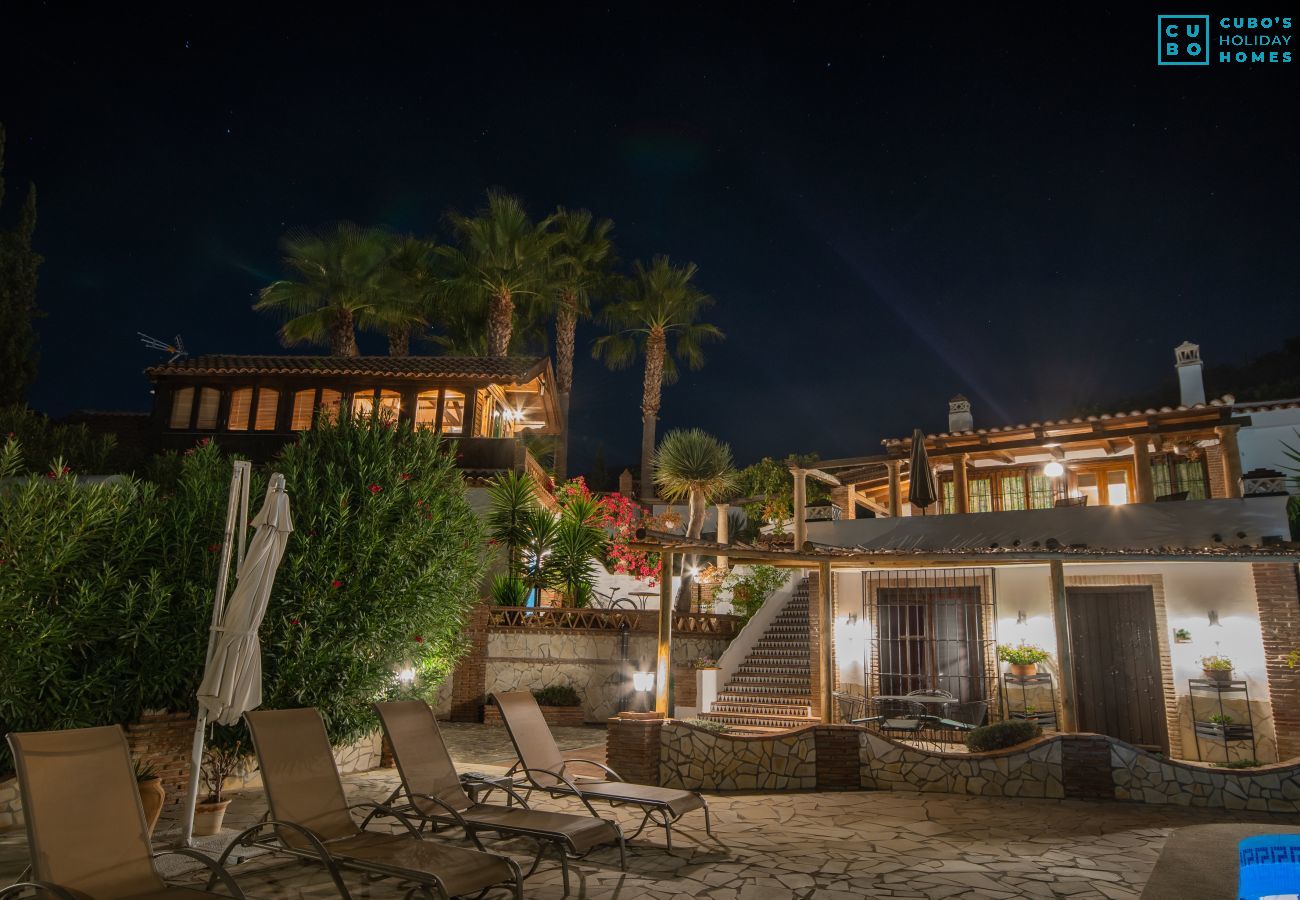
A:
x: 219, y: 763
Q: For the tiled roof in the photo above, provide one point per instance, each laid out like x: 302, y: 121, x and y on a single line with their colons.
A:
x: 1269, y: 405
x: 474, y: 368
x: 1227, y: 401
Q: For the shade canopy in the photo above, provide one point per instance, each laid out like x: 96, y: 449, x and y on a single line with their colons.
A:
x: 922, y: 489
x: 232, y: 681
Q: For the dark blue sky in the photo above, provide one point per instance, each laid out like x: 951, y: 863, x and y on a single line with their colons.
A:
x: 891, y: 202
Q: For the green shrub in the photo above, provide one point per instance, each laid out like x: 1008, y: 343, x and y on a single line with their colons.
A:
x: 1239, y: 764
x: 708, y: 725
x: 104, y: 593
x: 507, y: 590
x: 557, y: 695
x: 41, y: 441
x: 749, y: 588
x: 380, y: 574
x: 1000, y: 735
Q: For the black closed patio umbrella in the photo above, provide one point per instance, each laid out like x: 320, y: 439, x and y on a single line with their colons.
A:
x: 922, y: 489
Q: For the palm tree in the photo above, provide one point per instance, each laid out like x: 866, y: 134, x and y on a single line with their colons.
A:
x: 409, y: 288
x: 658, y: 320
x: 501, y: 255
x: 580, y: 265
x: 693, y: 465
x: 334, y: 288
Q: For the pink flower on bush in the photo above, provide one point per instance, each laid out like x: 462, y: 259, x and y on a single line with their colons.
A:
x: 213, y: 548
x: 375, y: 489
x: 336, y: 584
x: 418, y: 639
x: 406, y: 476
x: 295, y: 622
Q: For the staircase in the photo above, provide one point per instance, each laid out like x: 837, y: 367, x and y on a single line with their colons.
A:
x: 771, y: 690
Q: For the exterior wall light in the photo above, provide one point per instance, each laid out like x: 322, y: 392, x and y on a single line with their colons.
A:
x: 1054, y: 469
x: 643, y: 681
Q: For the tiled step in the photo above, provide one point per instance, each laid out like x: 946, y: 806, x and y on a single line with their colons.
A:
x: 757, y: 722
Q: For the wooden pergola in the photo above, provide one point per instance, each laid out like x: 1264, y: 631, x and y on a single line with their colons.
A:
x: 825, y: 559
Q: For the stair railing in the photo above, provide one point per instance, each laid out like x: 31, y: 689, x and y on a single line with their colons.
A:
x: 744, y: 643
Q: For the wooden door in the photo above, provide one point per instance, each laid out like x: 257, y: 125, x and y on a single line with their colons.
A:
x: 1118, y: 685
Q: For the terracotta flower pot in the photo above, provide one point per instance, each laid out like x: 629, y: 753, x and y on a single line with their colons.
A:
x: 1024, y: 671
x: 1220, y: 675
x: 152, y: 797
x: 208, y: 817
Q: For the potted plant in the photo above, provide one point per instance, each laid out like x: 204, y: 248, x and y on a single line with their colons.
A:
x: 1221, y: 720
x: 1182, y: 636
x: 152, y: 794
x: 1023, y: 658
x: 1217, y: 668
x: 218, y: 765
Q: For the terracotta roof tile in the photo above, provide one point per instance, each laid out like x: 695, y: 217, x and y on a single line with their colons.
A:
x: 475, y: 368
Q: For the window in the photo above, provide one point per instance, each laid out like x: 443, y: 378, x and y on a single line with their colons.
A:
x: 1041, y: 492
x: 453, y: 412
x: 949, y: 491
x: 980, y: 494
x: 426, y: 409
x: 1172, y: 473
x: 304, y: 404
x: 389, y: 404
x: 1116, y: 487
x: 1011, y: 489
x: 1086, y: 486
x: 268, y: 402
x: 182, y: 406
x: 930, y: 637
x: 209, y: 405
x: 330, y: 403
x: 241, y: 406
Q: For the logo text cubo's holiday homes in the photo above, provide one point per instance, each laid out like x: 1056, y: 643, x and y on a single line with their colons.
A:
x: 1198, y: 40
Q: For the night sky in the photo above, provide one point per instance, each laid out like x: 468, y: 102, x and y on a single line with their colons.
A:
x: 890, y: 203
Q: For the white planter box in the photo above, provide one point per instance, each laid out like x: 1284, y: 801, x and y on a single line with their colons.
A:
x: 706, y: 688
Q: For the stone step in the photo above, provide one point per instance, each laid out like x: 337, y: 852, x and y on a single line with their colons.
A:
x: 757, y: 709
x: 793, y: 706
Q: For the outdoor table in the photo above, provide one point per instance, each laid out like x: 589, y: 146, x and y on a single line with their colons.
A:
x: 917, y: 698
x: 477, y: 783
x: 642, y: 595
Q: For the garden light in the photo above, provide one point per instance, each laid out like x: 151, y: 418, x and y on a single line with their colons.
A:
x: 1054, y: 469
x: 643, y: 681
x: 406, y: 676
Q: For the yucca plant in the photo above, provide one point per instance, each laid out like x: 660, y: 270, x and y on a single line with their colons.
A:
x: 576, y: 546
x: 512, y: 497
x: 693, y: 465
x: 509, y: 590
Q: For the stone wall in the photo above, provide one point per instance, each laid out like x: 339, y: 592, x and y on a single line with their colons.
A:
x: 588, y: 661
x: 826, y: 757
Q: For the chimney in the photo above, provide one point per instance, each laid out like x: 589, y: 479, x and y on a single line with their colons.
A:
x: 1191, y: 386
x: 959, y: 417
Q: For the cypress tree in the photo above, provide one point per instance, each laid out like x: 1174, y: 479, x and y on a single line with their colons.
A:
x: 18, y: 265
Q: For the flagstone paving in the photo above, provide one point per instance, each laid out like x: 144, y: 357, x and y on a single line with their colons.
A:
x: 806, y: 846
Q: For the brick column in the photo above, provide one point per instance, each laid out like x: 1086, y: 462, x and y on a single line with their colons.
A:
x: 1231, y: 454
x: 838, y: 765
x: 1214, y: 472
x: 1085, y: 767
x: 632, y: 746
x: 1278, y: 599
x: 163, y: 741
x: 469, y: 681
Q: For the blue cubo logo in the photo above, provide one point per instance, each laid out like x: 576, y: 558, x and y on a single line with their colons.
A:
x: 1183, y: 40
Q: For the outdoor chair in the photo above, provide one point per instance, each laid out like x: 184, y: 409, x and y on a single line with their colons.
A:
x: 310, y: 818
x: 86, y: 829
x: 543, y: 768
x: 435, y: 794
x: 960, y: 718
x: 902, y: 720
x: 851, y: 708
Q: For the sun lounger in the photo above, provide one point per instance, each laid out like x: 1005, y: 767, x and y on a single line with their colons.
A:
x: 86, y: 830
x: 541, y: 763
x: 434, y: 793
x: 311, y: 818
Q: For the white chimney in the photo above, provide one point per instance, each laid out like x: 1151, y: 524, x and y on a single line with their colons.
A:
x: 1191, y: 386
x: 959, y: 417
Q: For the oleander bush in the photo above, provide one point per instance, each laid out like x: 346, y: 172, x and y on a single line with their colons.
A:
x: 106, y: 589
x: 41, y: 440
x: 1000, y: 735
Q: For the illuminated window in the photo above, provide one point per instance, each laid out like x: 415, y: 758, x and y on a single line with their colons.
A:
x: 182, y: 406
x: 1086, y: 486
x: 1116, y: 487
x: 453, y: 412
x: 209, y: 404
x: 1040, y: 492
x: 1012, y: 490
x: 241, y: 406
x: 330, y: 404
x: 390, y: 404
x: 304, y: 403
x: 268, y: 401
x: 949, y: 491
x: 980, y: 494
x: 426, y: 410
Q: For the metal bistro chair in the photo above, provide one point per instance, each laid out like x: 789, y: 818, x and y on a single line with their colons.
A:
x: 850, y: 708
x: 960, y: 718
x: 902, y: 720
